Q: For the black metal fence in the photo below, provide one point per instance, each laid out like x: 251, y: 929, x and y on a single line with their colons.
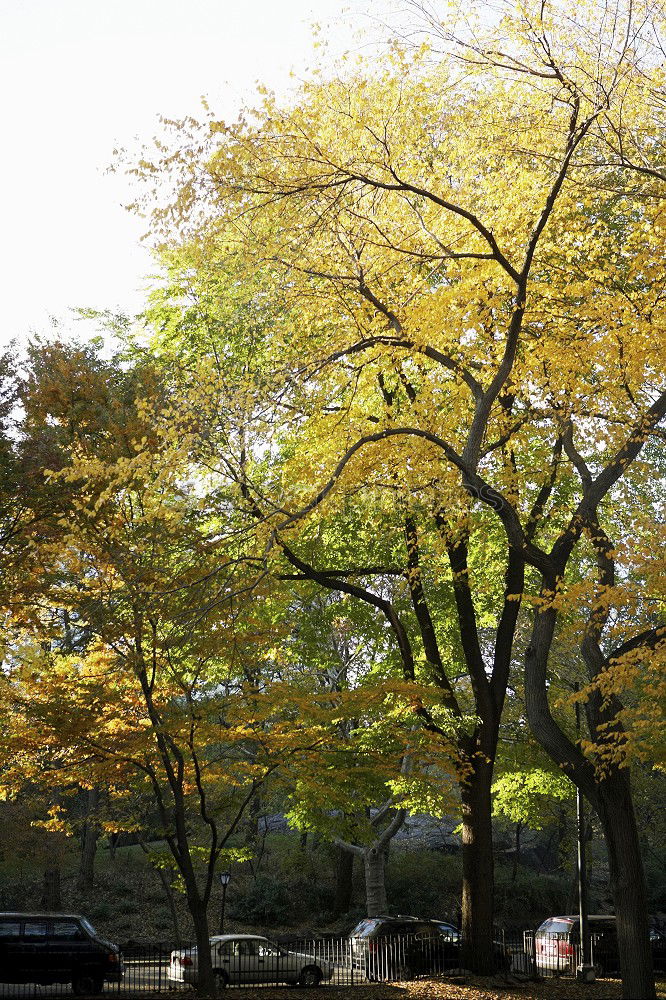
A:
x: 246, y: 961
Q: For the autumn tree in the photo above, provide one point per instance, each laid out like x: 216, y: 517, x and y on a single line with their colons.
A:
x: 461, y: 256
x: 169, y: 601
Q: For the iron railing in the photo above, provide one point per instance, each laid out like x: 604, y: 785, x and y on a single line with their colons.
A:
x: 332, y: 961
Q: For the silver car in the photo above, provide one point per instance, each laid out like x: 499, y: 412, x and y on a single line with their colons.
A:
x: 249, y: 959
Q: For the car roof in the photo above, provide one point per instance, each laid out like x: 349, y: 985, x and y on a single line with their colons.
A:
x: 239, y: 937
x: 11, y: 915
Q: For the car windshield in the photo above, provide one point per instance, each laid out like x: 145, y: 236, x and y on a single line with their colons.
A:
x: 85, y: 923
x: 555, y: 927
x: 364, y: 928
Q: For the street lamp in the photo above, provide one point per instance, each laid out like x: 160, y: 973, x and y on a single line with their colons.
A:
x: 225, y: 878
x: 584, y: 969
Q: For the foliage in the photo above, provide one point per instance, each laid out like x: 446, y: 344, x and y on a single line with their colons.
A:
x: 525, y: 797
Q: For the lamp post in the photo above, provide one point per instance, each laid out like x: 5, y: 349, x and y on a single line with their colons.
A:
x: 225, y: 878
x: 584, y: 969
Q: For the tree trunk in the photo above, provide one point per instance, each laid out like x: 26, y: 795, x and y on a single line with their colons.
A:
x: 344, y: 885
x: 375, y: 881
x: 516, y: 854
x: 610, y: 798
x: 205, y: 979
x: 85, y: 877
x: 478, y: 871
x: 51, y: 891
x: 627, y: 886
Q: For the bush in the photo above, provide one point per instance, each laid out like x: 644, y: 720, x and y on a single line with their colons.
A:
x: 265, y: 902
x: 293, y: 886
x: 424, y: 883
x: 100, y: 911
x: 540, y: 896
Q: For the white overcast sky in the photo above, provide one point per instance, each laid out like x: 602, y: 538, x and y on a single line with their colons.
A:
x: 78, y: 77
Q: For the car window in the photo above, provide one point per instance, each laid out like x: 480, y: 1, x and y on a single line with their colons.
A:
x: 448, y: 931
x: 395, y: 927
x: 226, y: 948
x: 245, y: 948
x: 364, y: 928
x: 268, y: 951
x: 10, y: 930
x: 35, y: 929
x: 66, y: 930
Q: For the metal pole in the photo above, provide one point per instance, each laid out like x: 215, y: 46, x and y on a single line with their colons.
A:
x: 584, y: 971
x: 224, y: 899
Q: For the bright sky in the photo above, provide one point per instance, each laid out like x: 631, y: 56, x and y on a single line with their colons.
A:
x: 77, y: 78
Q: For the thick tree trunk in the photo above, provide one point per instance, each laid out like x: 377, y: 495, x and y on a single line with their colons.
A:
x: 375, y: 881
x: 627, y: 886
x: 205, y: 979
x: 611, y: 800
x: 85, y: 877
x: 478, y: 871
x: 344, y: 881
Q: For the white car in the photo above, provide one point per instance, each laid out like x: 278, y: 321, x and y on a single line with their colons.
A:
x: 247, y: 958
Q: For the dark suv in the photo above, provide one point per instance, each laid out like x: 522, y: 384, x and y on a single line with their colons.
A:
x: 47, y: 948
x: 401, y: 947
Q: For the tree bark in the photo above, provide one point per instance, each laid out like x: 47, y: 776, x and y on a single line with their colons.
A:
x: 478, y: 871
x: 374, y: 859
x: 627, y: 881
x: 344, y: 875
x: 205, y: 980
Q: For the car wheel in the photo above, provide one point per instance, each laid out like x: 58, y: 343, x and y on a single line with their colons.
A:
x: 401, y: 973
x: 310, y: 976
x: 221, y: 981
x: 599, y: 970
x: 84, y: 984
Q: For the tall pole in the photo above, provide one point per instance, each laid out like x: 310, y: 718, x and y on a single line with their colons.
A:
x: 225, y: 878
x: 224, y: 900
x: 584, y: 967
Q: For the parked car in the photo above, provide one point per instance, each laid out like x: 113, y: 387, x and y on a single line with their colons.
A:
x: 250, y: 959
x: 400, y: 947
x: 557, y: 944
x: 48, y: 948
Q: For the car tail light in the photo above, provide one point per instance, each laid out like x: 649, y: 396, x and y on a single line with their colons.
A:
x: 112, y: 957
x: 372, y: 946
x: 565, y: 949
x: 185, y: 961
